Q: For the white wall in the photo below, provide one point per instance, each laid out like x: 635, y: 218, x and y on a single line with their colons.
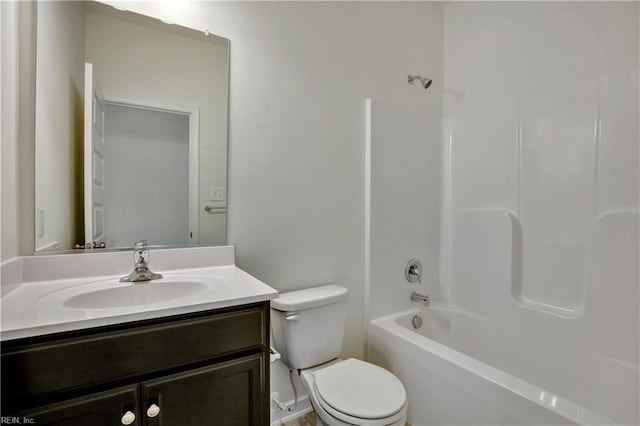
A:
x: 170, y: 69
x: 146, y: 176
x: 8, y: 127
x: 17, y: 130
x: 541, y: 122
x: 59, y: 103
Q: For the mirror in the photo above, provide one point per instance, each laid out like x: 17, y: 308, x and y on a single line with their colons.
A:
x: 131, y: 130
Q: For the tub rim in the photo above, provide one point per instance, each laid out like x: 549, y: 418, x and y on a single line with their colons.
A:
x: 561, y: 406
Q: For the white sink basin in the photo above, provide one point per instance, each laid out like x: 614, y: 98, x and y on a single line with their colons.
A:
x: 111, y: 294
x: 136, y: 294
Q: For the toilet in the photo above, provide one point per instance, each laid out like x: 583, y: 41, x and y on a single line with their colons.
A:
x: 308, y: 328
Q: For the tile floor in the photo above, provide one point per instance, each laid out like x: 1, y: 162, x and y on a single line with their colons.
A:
x: 309, y: 419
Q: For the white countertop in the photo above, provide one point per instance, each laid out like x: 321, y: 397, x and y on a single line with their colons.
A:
x: 38, y: 307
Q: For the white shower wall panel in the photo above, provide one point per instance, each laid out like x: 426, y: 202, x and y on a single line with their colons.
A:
x: 540, y: 203
x: 559, y: 142
x: 482, y: 244
x: 542, y: 124
x: 484, y: 151
x: 618, y: 142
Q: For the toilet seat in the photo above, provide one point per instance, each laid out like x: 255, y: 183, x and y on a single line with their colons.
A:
x: 360, y: 389
x: 398, y: 418
x: 357, y: 393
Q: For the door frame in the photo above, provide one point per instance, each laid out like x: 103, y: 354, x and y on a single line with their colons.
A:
x: 194, y: 144
x: 94, y: 97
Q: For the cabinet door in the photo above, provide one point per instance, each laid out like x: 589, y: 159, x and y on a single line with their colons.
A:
x: 99, y: 409
x: 223, y: 394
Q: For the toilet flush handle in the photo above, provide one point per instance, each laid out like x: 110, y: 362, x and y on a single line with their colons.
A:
x: 292, y: 317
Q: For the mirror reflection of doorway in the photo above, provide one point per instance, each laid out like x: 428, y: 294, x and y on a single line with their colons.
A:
x: 132, y: 59
x: 147, y: 192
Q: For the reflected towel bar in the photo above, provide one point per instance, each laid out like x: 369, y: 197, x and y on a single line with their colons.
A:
x: 215, y: 210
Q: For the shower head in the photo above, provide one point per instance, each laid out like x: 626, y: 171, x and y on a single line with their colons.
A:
x: 426, y: 82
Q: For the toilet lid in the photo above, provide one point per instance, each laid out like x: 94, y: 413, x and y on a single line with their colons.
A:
x: 360, y: 389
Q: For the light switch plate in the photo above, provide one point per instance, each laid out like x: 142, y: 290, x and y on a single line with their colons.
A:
x: 216, y: 193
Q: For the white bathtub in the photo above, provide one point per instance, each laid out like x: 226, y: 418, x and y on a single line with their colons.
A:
x: 459, y: 370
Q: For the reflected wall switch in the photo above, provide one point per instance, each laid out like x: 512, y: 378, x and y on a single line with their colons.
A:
x: 216, y: 193
x: 41, y: 224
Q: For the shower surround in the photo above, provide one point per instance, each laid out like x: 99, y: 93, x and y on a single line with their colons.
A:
x: 538, y: 259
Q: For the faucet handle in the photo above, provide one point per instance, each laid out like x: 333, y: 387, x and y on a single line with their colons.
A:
x: 413, y: 271
x: 141, y: 253
x: 141, y: 245
x: 141, y: 271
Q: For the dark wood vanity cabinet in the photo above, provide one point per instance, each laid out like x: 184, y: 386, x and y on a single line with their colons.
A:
x: 207, y: 368
x: 221, y: 392
x: 100, y: 409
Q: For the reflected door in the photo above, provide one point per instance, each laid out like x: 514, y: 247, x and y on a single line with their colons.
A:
x: 94, y: 206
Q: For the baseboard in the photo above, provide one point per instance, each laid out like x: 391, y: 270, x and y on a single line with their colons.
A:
x: 278, y: 417
x: 53, y: 245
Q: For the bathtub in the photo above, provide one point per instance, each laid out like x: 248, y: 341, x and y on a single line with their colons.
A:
x: 457, y: 372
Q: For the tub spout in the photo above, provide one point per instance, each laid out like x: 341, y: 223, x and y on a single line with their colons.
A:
x: 422, y: 298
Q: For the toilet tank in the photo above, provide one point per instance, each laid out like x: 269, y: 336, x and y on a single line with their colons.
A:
x: 308, y: 325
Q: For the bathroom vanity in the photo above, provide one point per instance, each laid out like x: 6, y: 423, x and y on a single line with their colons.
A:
x: 195, y: 359
x: 195, y: 369
x: 143, y: 105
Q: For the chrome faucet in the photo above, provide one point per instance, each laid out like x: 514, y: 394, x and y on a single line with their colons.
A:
x: 422, y: 298
x: 141, y: 271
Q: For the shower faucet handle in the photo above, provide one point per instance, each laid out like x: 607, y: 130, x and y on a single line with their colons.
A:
x: 413, y: 271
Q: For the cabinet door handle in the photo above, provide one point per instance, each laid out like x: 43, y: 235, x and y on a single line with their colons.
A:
x: 153, y: 410
x: 128, y: 418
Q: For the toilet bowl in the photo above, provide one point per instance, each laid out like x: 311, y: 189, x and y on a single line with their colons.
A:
x: 308, y: 329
